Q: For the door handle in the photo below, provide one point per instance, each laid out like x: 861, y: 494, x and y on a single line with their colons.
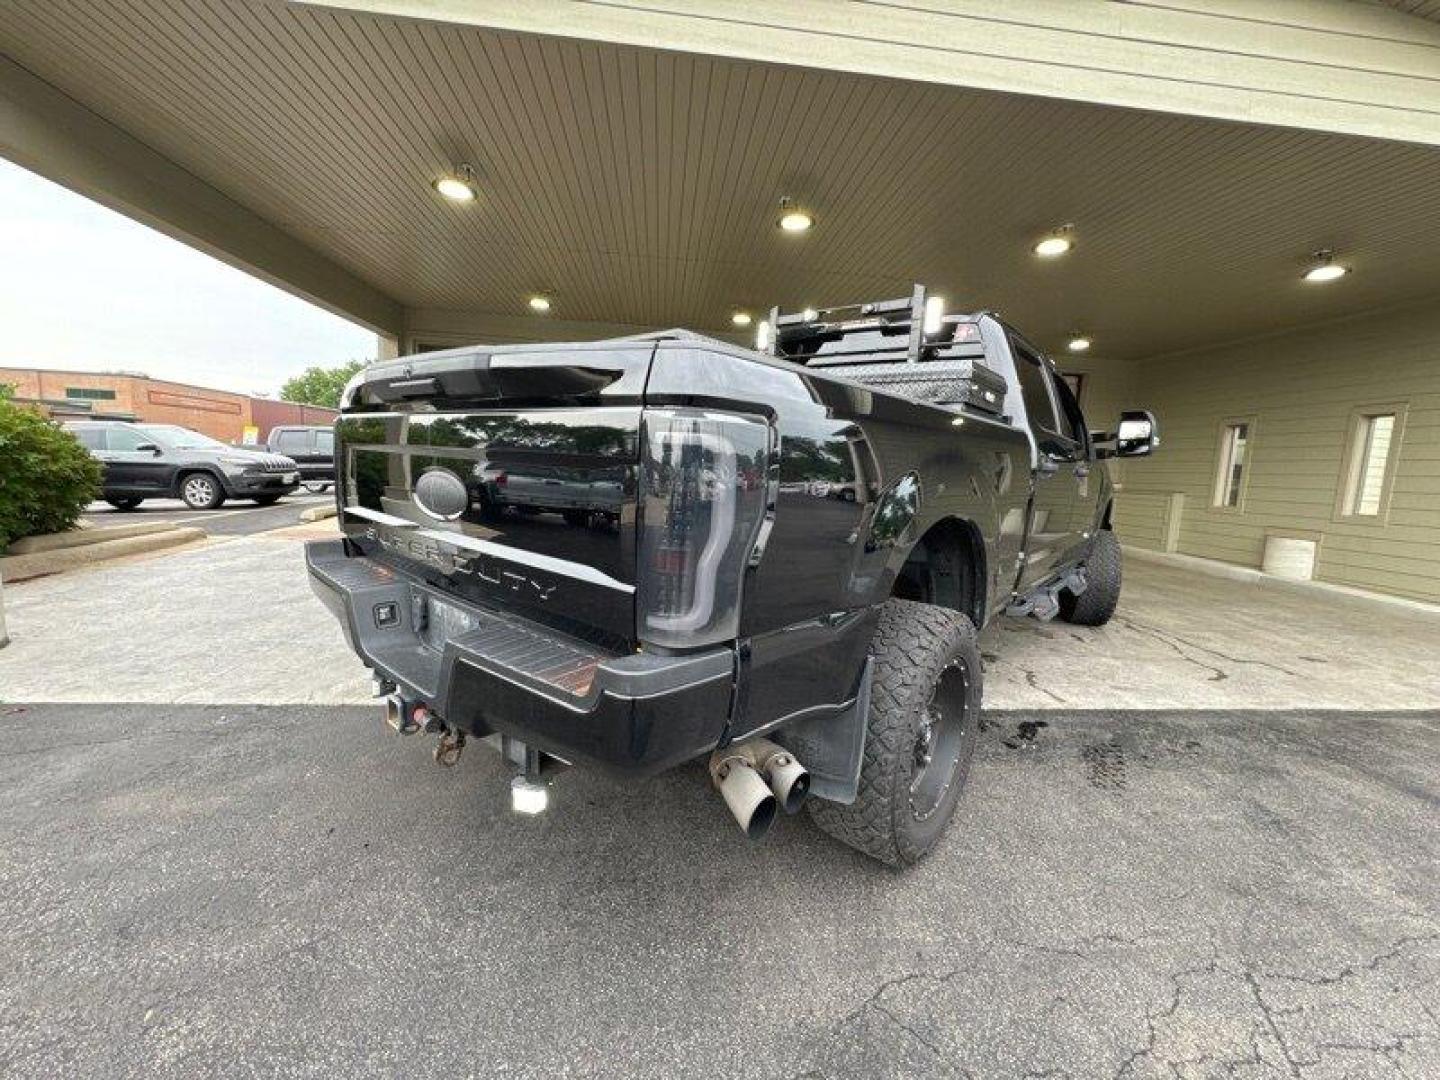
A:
x: 1048, y: 466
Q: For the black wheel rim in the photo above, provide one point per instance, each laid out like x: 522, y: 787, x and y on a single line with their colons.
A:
x: 940, y: 739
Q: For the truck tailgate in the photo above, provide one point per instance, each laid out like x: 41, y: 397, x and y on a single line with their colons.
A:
x: 531, y: 510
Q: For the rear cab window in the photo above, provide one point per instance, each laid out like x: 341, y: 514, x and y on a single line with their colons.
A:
x: 90, y: 438
x: 1047, y: 405
x: 293, y: 441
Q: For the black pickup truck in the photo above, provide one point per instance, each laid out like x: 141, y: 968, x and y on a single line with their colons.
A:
x: 776, y: 559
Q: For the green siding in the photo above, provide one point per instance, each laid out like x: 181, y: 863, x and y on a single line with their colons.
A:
x: 1301, y: 389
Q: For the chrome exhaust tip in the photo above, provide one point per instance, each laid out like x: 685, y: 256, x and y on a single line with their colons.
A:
x: 749, y: 798
x: 788, y: 779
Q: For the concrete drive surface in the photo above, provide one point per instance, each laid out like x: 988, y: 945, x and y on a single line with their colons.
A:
x: 236, y: 622
x: 198, y: 890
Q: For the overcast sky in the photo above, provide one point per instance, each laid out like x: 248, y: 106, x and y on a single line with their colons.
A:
x: 87, y: 289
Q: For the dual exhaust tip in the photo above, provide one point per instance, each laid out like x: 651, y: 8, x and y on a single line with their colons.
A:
x: 758, y: 779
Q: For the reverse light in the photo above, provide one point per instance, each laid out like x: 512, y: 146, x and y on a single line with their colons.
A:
x: 704, y: 493
x: 529, y: 796
x: 762, y: 337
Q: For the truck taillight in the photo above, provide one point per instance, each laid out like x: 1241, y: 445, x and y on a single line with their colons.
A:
x: 699, y: 521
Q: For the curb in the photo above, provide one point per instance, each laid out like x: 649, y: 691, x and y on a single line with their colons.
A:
x: 318, y: 513
x: 41, y: 563
x: 35, y: 545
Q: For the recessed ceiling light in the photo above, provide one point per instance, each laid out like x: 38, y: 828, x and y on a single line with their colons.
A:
x: 459, y: 185
x: 540, y: 304
x: 740, y: 318
x: 1078, y: 343
x: 1056, y: 243
x: 1325, y: 268
x: 793, y: 219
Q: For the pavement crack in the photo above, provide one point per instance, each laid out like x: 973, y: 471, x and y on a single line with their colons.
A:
x: 1082, y: 948
x: 939, y: 1053
x: 1269, y: 1015
x: 1154, y: 1016
x: 1033, y: 681
x: 1179, y: 644
x: 1349, y: 971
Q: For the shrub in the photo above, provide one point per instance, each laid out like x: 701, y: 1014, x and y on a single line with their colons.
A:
x: 46, y: 476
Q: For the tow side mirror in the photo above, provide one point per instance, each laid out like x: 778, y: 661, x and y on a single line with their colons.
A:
x: 1137, y: 436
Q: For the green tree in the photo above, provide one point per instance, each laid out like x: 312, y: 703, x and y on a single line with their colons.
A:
x: 46, y: 476
x: 319, y: 385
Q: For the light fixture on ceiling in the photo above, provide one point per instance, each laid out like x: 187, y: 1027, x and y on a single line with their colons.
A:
x: 1078, y: 342
x: 793, y: 219
x: 740, y: 318
x: 540, y: 304
x: 1325, y: 268
x: 458, y: 185
x: 1055, y: 243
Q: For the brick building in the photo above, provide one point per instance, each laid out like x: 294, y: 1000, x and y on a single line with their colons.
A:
x: 127, y: 396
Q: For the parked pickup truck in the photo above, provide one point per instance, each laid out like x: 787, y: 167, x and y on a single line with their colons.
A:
x: 805, y: 542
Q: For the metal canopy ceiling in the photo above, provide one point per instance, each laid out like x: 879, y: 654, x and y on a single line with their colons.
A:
x: 641, y: 187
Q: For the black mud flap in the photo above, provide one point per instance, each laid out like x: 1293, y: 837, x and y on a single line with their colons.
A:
x: 832, y: 747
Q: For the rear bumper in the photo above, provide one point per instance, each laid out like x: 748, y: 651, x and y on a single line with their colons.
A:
x: 482, y: 671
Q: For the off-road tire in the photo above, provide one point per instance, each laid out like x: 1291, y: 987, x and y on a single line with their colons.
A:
x: 576, y: 519
x: 1096, y: 604
x: 914, y: 645
x: 125, y: 504
x: 265, y: 500
x: 190, y: 491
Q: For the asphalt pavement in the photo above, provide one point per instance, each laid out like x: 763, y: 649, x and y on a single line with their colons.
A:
x: 189, y: 890
x: 234, y: 518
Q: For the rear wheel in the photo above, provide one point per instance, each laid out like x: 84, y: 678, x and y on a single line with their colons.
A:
x: 923, y: 725
x: 576, y: 518
x: 129, y: 503
x: 201, y: 491
x: 1096, y: 604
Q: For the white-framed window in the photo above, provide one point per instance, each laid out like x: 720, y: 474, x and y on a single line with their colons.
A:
x: 1369, y: 463
x: 1233, y: 467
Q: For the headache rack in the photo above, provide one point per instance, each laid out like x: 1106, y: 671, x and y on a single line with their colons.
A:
x: 895, y: 345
